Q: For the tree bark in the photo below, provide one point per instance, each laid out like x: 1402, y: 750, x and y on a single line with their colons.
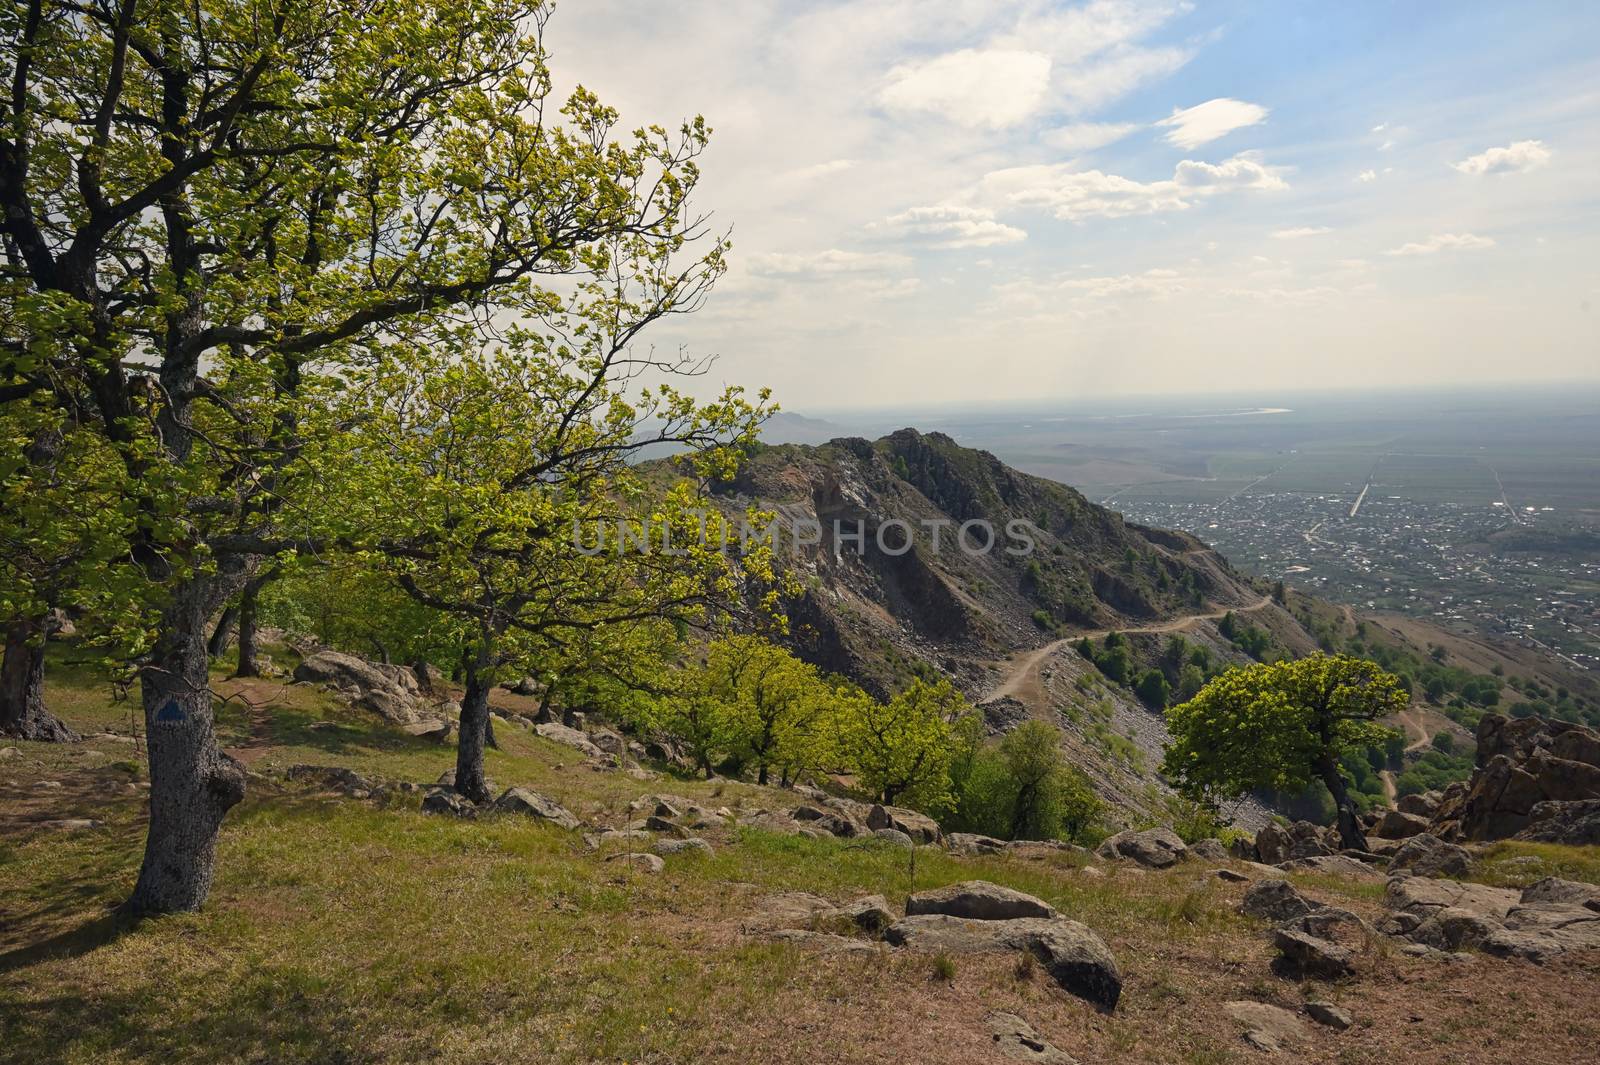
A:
x: 22, y: 711
x: 193, y: 784
x: 222, y: 635
x: 472, y: 735
x: 248, y: 604
x: 546, y: 712
x: 1350, y: 834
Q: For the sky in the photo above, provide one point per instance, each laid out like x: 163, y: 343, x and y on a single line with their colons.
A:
x: 946, y: 201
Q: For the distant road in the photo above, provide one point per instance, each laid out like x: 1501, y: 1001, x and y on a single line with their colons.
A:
x: 1356, y: 506
x: 1021, y: 671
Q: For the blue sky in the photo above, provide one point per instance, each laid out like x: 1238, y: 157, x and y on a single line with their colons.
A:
x: 948, y: 200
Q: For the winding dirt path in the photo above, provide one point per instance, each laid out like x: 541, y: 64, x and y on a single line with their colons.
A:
x: 1025, y: 668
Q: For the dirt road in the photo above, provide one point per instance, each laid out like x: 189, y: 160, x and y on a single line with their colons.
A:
x: 1024, y: 669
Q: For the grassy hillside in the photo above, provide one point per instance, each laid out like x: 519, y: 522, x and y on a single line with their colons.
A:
x: 345, y: 930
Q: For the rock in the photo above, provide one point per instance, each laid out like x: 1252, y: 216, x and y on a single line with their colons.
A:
x: 1016, y: 1038
x: 1272, y: 844
x: 1523, y: 765
x: 7, y: 753
x: 1154, y: 848
x: 69, y: 824
x: 449, y: 803
x: 1092, y: 872
x: 437, y: 729
x: 807, y: 813
x: 333, y: 778
x: 1423, y: 805
x: 386, y: 692
x: 571, y: 737
x: 681, y: 846
x: 1230, y: 876
x: 1427, y: 855
x: 645, y: 863
x: 608, y: 741
x: 973, y: 843
x: 787, y: 909
x: 1267, y: 1028
x: 1424, y: 897
x: 978, y: 900
x: 655, y: 823
x: 1313, y: 955
x: 1333, y: 864
x: 895, y: 836
x: 532, y: 804
x: 919, y: 827
x: 1553, y: 889
x: 1396, y: 824
x: 1577, y: 824
x: 870, y: 914
x: 1329, y: 922
x: 1210, y: 850
x: 1073, y: 955
x: 1276, y: 901
x: 47, y: 785
x: 826, y: 942
x: 1329, y: 1014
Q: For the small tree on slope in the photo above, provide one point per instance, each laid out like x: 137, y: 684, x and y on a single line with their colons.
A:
x: 1282, y: 725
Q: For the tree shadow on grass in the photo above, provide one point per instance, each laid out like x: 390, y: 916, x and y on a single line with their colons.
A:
x: 73, y: 943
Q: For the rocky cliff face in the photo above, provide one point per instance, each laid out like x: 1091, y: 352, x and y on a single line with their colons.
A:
x: 1535, y: 780
x: 912, y: 548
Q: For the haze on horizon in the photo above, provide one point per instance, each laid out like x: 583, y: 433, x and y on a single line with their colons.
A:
x: 974, y: 200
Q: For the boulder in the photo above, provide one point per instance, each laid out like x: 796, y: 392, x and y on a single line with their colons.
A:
x: 448, y: 802
x: 1276, y: 901
x: 826, y: 942
x: 1334, y: 865
x: 1329, y: 1014
x: 978, y: 900
x: 1272, y: 844
x: 1210, y: 850
x: 870, y: 914
x: 895, y: 836
x: 1577, y: 824
x: 570, y: 737
x: 693, y: 844
x: 1015, y: 1038
x: 1425, y: 896
x: 532, y: 804
x: 1076, y: 958
x: 1267, y: 1028
x: 1230, y: 876
x: 1396, y: 824
x: 973, y: 843
x: 1424, y: 804
x: 1312, y: 955
x: 645, y: 863
x: 1427, y: 855
x: 1553, y: 889
x: 390, y: 692
x: 919, y: 827
x: 1153, y: 848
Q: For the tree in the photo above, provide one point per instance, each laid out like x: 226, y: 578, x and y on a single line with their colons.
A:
x: 775, y: 704
x: 1021, y: 788
x: 901, y: 749
x: 1153, y: 689
x: 212, y: 214
x: 1280, y: 726
x: 496, y: 486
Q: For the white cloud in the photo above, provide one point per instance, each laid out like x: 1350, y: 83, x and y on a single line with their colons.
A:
x: 1243, y: 171
x: 827, y: 263
x: 990, y: 88
x: 1296, y: 232
x: 1087, y: 136
x: 1204, y: 123
x: 1514, y: 158
x: 1444, y: 242
x: 955, y: 226
x: 1091, y: 85
x: 1074, y: 195
x: 1367, y: 176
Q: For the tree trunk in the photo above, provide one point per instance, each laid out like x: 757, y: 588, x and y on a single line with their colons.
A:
x: 222, y: 635
x: 22, y: 712
x: 193, y: 783
x: 546, y: 712
x: 761, y: 774
x: 473, y: 733
x: 488, y: 732
x: 1350, y: 834
x: 248, y: 603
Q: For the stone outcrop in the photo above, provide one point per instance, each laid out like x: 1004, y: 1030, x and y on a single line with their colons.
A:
x: 532, y: 804
x: 920, y: 827
x: 978, y: 900
x: 1535, y: 779
x: 1544, y: 920
x: 1154, y: 848
x: 1076, y: 958
x: 1427, y: 855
